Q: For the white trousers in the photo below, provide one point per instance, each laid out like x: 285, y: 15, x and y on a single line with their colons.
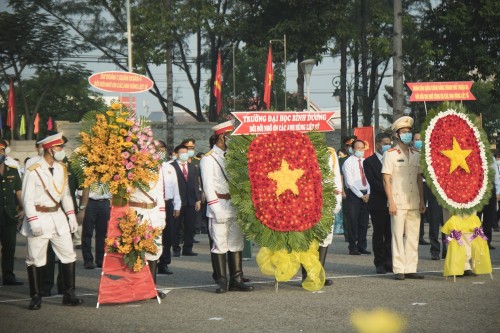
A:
x: 37, y: 249
x: 226, y: 236
x: 405, y: 228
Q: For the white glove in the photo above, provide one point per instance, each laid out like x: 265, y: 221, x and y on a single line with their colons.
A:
x: 36, y: 228
x: 73, y: 225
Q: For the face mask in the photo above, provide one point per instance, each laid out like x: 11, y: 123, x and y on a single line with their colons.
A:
x: 174, y: 157
x: 190, y: 153
x: 162, y: 155
x: 40, y: 152
x: 59, y: 155
x: 417, y: 144
x: 350, y: 150
x: 359, y: 153
x: 385, y: 148
x: 184, y: 157
x: 498, y: 162
x: 406, y: 138
x: 7, y: 150
x: 2, y: 159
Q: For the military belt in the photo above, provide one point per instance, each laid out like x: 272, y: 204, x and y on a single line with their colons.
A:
x: 45, y: 209
x: 142, y: 204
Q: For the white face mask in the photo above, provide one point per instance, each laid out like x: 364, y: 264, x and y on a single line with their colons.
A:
x: 40, y: 152
x: 59, y: 155
x: 7, y: 150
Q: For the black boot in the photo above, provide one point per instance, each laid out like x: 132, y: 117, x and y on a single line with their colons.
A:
x: 220, y: 272
x: 322, y: 257
x: 213, y: 258
x: 235, y: 271
x: 34, y: 278
x: 68, y: 273
x: 153, y: 264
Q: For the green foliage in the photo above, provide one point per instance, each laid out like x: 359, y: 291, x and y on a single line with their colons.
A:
x: 239, y: 187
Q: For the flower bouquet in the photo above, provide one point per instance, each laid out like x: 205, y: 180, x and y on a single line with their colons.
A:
x: 137, y: 237
x: 117, y: 153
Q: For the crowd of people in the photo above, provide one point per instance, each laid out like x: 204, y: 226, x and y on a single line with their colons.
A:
x: 192, y: 192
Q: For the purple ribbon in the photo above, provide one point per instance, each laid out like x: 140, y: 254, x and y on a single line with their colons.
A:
x: 454, y: 235
x: 478, y: 232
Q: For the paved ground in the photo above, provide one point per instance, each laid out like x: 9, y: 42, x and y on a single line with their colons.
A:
x: 431, y: 305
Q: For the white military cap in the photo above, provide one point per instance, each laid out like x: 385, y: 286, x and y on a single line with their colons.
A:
x: 402, y: 123
x: 224, y: 127
x: 51, y: 141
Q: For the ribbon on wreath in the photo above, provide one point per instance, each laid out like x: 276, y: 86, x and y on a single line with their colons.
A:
x: 478, y: 232
x: 454, y: 235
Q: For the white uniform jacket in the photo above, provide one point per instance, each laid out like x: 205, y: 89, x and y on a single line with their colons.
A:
x: 38, y: 182
x: 216, y: 186
x: 156, y: 214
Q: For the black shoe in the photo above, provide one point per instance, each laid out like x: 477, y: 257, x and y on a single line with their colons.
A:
x: 196, y: 241
x: 423, y: 242
x: 435, y: 256
x: 89, y: 265
x: 380, y: 270
x: 443, y: 255
x: 45, y: 293
x: 99, y: 265
x: 71, y: 299
x: 13, y: 282
x: 354, y: 253
x: 177, y: 254
x: 78, y: 247
x: 36, y: 303
x: 399, y: 276
x: 414, y: 276
x: 491, y: 247
x: 328, y: 282
x: 164, y: 270
x: 189, y: 254
x: 469, y: 273
x: 161, y: 294
x: 364, y: 252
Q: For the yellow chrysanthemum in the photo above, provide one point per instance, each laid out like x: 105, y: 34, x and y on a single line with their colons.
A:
x: 116, y: 106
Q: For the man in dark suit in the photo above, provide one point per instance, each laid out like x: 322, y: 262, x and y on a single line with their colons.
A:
x: 377, y: 206
x: 189, y: 191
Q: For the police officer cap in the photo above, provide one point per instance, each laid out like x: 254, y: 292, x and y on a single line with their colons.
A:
x: 224, y: 127
x: 188, y: 142
x: 52, y: 140
x: 402, y: 123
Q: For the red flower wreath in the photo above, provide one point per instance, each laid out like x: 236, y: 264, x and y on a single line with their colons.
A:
x: 284, y: 173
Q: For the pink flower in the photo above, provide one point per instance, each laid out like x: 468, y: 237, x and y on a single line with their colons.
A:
x: 147, y: 236
x: 125, y: 154
x: 116, y: 177
x: 116, y: 244
x: 129, y: 165
x: 130, y: 175
x: 136, y: 239
x: 133, y: 158
x: 128, y: 139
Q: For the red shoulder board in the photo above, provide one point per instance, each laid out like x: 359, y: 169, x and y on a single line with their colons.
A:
x: 393, y: 149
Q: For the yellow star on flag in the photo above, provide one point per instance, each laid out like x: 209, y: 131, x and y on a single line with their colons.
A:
x: 285, y: 178
x: 457, y: 156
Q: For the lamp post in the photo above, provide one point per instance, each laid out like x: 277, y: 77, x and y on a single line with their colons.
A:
x: 307, y: 67
x: 350, y: 87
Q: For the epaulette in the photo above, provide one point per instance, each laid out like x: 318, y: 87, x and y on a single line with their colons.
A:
x: 34, y: 166
x: 63, y: 164
x: 196, y: 158
x: 393, y: 149
x: 209, y: 153
x: 11, y: 166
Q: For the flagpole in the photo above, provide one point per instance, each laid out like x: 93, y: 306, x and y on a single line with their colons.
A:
x: 234, y: 81
x: 282, y: 41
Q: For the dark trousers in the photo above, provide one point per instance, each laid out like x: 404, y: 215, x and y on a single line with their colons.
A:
x: 489, y: 214
x: 381, y: 238
x: 434, y: 215
x: 167, y: 235
x: 8, y: 228
x: 186, y: 219
x: 357, y: 212
x: 96, y: 217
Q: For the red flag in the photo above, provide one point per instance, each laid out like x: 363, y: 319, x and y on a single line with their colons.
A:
x: 49, y: 123
x: 36, y: 124
x: 268, y: 80
x: 218, y: 83
x: 11, y: 107
x: 365, y: 134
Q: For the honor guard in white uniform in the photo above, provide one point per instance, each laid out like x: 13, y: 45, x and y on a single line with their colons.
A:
x: 151, y: 205
x: 223, y: 228
x: 403, y: 185
x: 50, y: 217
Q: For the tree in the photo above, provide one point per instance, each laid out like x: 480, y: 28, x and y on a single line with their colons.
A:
x: 30, y: 41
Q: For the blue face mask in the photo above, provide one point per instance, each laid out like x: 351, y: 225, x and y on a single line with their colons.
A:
x: 350, y: 150
x: 385, y: 148
x: 183, y: 157
x: 191, y: 153
x: 417, y: 144
x: 359, y: 153
x: 406, y: 138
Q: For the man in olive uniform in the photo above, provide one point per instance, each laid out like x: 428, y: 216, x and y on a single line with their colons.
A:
x: 403, y: 185
x: 10, y: 213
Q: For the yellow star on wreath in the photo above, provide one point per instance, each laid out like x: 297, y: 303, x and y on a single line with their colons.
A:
x: 285, y: 178
x: 457, y: 156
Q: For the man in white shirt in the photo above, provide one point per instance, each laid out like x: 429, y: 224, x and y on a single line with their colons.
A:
x: 172, y: 206
x: 358, y: 193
